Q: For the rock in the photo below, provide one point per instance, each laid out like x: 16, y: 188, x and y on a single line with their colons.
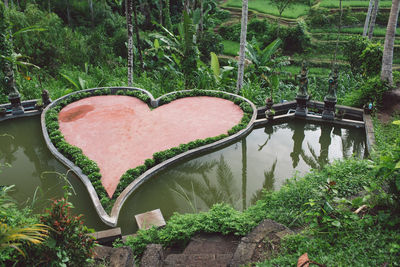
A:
x: 116, y: 257
x: 153, y: 256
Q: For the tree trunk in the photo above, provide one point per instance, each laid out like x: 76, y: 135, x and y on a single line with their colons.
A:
x: 367, y: 18
x: 186, y: 6
x: 387, y: 59
x: 338, y: 35
x: 91, y: 10
x: 242, y: 50
x: 137, y: 36
x: 68, y: 13
x: 168, y: 22
x: 161, y: 11
x: 201, y: 16
x: 6, y: 3
x: 373, y: 19
x: 128, y: 9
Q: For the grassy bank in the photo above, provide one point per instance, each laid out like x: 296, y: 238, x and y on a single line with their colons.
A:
x: 265, y: 6
x: 351, y: 3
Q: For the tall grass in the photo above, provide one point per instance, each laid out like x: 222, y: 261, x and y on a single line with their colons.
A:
x: 265, y: 6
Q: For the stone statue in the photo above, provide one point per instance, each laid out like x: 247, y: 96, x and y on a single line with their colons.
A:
x: 303, y: 89
x: 11, y: 87
x: 45, y: 97
x: 333, y: 83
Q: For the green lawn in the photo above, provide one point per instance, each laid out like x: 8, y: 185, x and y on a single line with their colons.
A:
x: 231, y: 48
x: 265, y: 6
x: 365, y: 3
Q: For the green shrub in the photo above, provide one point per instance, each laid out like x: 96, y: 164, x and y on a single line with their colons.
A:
x: 295, y: 39
x: 364, y: 56
x: 371, y: 91
x: 208, y: 42
x: 230, y: 32
x: 371, y: 58
x: 286, y: 206
x: 388, y: 158
x: 68, y: 244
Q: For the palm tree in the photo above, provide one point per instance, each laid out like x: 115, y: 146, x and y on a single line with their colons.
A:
x: 373, y: 19
x: 367, y: 18
x: 243, y: 33
x: 128, y: 9
x: 137, y: 36
x: 387, y: 59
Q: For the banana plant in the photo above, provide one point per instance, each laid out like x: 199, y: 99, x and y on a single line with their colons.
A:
x: 266, y: 64
x: 221, y: 75
x: 265, y: 61
x: 177, y: 51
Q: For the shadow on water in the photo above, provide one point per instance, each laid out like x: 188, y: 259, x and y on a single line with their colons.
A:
x: 239, y: 173
x: 26, y: 162
x: 236, y: 174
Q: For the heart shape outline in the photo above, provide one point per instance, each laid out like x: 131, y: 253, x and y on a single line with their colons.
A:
x: 112, y: 219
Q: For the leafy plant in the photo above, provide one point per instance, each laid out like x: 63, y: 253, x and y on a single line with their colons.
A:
x: 15, y: 236
x: 389, y: 166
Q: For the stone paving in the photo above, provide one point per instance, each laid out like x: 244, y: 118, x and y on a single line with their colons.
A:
x: 120, y: 132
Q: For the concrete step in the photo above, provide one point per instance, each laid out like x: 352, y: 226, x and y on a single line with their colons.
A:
x: 198, y: 260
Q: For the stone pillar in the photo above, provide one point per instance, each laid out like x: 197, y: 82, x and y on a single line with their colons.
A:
x: 45, y: 98
x: 302, y: 96
x: 14, y: 97
x: 269, y: 112
x: 330, y: 99
x: 15, y: 100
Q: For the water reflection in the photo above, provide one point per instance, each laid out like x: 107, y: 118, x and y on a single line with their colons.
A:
x: 236, y: 174
x: 26, y: 162
x: 200, y: 189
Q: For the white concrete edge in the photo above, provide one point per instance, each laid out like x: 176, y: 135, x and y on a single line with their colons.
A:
x: 112, y: 219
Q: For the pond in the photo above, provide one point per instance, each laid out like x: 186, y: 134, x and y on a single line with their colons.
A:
x: 235, y: 174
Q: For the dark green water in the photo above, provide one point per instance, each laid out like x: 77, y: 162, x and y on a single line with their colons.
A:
x: 235, y: 174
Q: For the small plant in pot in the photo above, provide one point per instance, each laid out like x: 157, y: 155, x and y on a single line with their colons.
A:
x: 3, y: 112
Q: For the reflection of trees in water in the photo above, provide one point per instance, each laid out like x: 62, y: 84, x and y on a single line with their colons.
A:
x: 271, y: 129
x: 268, y: 185
x: 244, y: 173
x: 28, y: 137
x: 7, y: 148
x: 352, y: 144
x: 207, y: 190
x: 325, y: 140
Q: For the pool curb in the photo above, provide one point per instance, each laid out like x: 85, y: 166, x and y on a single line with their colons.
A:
x: 112, y: 219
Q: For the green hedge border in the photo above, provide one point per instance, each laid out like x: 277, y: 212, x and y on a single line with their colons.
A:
x: 91, y: 169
